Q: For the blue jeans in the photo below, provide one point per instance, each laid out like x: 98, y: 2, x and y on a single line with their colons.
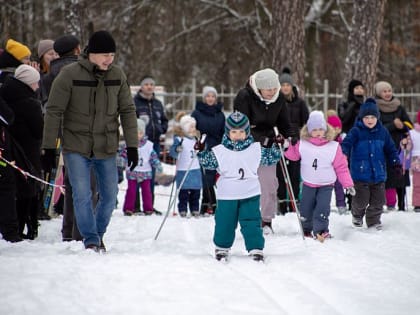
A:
x: 92, y: 223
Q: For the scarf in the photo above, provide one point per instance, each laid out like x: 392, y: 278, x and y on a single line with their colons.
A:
x: 388, y: 106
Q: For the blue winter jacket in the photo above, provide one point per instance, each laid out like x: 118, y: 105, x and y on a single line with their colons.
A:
x: 211, y: 121
x: 369, y: 150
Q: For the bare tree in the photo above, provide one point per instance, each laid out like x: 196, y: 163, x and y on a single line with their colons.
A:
x: 364, y: 42
x: 289, y: 37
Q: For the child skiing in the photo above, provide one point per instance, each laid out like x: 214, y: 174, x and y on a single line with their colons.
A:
x: 322, y: 162
x: 370, y: 149
x: 415, y: 163
x: 182, y: 150
x: 142, y: 174
x: 340, y: 201
x: 237, y: 159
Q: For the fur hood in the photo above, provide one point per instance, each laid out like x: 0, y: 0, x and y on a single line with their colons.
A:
x: 329, y: 135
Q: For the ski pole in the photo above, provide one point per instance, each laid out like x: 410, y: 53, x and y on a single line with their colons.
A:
x: 177, y: 190
x: 287, y: 181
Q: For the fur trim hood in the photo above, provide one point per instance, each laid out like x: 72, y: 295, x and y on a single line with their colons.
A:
x: 329, y: 135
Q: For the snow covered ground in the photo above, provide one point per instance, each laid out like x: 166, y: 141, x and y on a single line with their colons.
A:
x: 357, y: 272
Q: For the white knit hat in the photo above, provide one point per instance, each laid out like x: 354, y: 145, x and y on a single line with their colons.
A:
x: 381, y: 86
x: 27, y: 74
x: 209, y: 89
x: 316, y: 121
x: 266, y: 79
x: 186, y: 122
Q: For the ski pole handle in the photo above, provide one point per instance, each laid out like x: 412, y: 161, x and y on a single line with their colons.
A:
x: 203, y: 138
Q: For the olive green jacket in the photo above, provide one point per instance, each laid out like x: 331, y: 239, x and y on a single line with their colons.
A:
x: 89, y: 103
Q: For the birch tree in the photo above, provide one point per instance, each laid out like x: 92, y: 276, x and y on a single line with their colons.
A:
x: 364, y: 42
x: 289, y: 37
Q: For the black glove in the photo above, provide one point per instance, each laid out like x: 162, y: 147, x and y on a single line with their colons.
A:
x: 199, y: 146
x: 279, y: 139
x: 49, y: 159
x: 132, y: 157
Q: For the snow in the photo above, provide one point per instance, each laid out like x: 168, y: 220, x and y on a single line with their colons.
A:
x: 359, y: 271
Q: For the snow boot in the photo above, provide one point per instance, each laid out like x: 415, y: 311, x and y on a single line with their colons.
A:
x: 222, y: 254
x: 256, y: 254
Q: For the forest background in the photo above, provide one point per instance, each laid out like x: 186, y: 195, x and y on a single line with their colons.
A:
x: 222, y: 42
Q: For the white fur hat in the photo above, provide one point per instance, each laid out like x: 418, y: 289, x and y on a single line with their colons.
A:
x: 186, y: 122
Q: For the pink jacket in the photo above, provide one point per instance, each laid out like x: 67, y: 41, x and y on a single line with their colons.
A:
x: 339, y: 164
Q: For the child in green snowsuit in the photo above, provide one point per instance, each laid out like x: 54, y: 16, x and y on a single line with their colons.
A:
x: 237, y: 159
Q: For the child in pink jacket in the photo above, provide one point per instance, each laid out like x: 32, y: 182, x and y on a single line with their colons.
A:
x: 322, y: 162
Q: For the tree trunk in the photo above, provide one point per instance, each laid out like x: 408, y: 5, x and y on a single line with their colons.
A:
x: 364, y: 42
x: 289, y: 38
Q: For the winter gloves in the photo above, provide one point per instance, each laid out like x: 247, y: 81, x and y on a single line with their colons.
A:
x: 199, y: 146
x: 132, y: 158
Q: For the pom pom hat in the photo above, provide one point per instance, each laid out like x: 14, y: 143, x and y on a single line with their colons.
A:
x: 27, y: 74
x: 266, y: 79
x: 237, y: 120
x: 101, y: 42
x: 369, y: 108
x: 316, y: 120
x: 286, y: 77
x: 17, y: 50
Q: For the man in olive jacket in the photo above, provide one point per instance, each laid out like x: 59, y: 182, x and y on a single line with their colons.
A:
x: 87, y: 98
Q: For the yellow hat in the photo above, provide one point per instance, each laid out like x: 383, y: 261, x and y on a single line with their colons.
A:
x: 17, y: 50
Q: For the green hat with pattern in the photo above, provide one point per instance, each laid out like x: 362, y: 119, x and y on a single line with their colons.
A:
x: 237, y: 120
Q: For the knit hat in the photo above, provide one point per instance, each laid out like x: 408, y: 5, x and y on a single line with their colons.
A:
x: 353, y: 83
x: 65, y: 44
x: 186, y: 122
x: 237, y: 120
x: 381, y: 86
x: 207, y: 90
x: 369, y: 107
x: 44, y: 46
x: 266, y: 79
x: 316, y: 120
x: 147, y: 79
x: 286, y: 76
x: 27, y: 74
x: 141, y: 125
x: 334, y: 121
x: 17, y: 50
x: 101, y: 42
